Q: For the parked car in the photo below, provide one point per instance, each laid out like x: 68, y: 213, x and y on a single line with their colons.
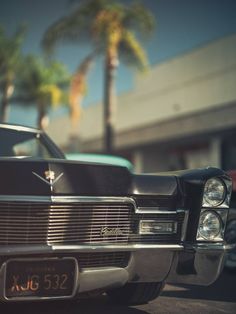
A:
x: 69, y: 228
x: 230, y: 236
x: 101, y: 159
x: 230, y: 233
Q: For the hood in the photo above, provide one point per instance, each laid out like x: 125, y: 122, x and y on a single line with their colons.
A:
x: 62, y: 177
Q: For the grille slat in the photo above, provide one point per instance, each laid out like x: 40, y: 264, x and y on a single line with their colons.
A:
x: 118, y: 259
x: 78, y: 223
x: 89, y: 259
x: 62, y: 223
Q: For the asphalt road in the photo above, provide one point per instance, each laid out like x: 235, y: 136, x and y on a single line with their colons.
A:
x: 218, y: 298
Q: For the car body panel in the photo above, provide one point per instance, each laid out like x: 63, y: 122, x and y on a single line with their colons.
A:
x: 53, y: 209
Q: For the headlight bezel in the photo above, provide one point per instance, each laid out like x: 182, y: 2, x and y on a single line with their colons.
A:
x: 225, y: 201
x: 219, y: 207
x: 211, y: 187
x: 219, y: 235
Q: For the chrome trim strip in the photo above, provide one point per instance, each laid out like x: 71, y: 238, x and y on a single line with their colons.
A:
x: 153, y: 210
x: 20, y: 128
x: 66, y: 199
x: 208, y: 247
x: 131, y: 247
x: 24, y: 198
x: 31, y: 298
x: 40, y: 249
x: 88, y: 199
x: 184, y: 226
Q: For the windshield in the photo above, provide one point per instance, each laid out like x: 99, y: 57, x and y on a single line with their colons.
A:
x: 16, y: 143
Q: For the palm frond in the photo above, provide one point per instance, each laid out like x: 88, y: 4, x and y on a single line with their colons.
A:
x: 132, y: 53
x: 139, y: 19
x: 42, y: 82
x: 73, y: 27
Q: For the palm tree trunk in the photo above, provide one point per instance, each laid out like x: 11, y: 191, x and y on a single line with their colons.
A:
x: 7, y: 92
x: 42, y: 120
x: 111, y: 63
x: 77, y: 90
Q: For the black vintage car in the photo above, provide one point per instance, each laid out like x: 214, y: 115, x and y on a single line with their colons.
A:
x: 69, y: 228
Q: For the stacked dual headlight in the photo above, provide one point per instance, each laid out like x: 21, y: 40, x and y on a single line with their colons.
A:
x: 214, y: 192
x: 214, y: 211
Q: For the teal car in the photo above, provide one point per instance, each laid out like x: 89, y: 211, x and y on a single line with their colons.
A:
x: 102, y: 159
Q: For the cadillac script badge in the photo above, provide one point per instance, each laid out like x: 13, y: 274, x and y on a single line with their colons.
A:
x: 106, y: 232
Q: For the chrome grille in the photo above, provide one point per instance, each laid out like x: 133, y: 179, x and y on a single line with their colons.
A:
x: 103, y: 259
x: 79, y: 223
x: 86, y: 259
x: 63, y: 223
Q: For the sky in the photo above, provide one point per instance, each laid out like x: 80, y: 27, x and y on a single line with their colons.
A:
x: 181, y: 26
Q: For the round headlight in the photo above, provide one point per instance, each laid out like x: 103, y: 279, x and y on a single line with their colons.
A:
x: 209, y: 225
x: 214, y: 192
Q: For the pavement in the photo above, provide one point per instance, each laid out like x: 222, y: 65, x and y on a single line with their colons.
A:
x: 219, y: 298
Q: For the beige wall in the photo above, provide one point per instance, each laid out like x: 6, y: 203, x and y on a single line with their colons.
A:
x: 193, y: 82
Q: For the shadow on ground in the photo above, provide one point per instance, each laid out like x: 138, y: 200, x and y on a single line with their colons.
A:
x: 87, y: 306
x: 218, y: 291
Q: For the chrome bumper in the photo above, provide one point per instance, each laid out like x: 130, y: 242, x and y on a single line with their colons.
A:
x: 199, y: 265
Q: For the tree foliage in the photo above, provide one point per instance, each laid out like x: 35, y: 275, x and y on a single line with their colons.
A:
x: 43, y: 84
x: 10, y: 64
x: 105, y: 24
x: 114, y: 30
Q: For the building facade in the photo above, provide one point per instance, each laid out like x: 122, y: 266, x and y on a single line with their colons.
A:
x: 182, y: 114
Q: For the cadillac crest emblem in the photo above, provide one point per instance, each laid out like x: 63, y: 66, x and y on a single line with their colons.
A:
x: 50, y: 177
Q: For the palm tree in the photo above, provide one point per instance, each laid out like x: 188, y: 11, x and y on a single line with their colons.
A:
x: 112, y: 29
x: 10, y: 58
x: 77, y: 90
x: 42, y: 84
